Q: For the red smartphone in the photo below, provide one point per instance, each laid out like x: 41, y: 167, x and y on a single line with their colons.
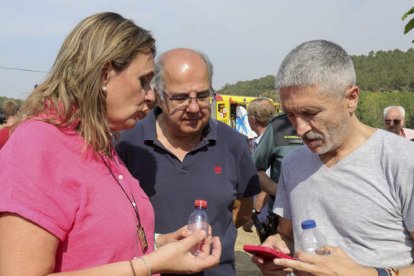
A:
x: 267, y: 253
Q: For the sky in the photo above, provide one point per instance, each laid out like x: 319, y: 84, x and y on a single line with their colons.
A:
x: 244, y: 39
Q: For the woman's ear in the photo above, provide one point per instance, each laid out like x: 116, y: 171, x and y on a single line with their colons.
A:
x: 352, y: 97
x: 106, y: 73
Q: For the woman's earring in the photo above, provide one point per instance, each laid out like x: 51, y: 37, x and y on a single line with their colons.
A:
x: 104, y: 89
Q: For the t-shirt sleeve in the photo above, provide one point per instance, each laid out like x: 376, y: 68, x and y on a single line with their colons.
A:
x: 35, y: 182
x: 404, y: 179
x: 281, y: 205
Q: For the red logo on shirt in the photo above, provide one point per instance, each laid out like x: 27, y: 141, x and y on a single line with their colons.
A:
x: 218, y: 169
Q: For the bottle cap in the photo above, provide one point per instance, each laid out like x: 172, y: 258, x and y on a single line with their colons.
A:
x: 200, y: 203
x: 308, y: 224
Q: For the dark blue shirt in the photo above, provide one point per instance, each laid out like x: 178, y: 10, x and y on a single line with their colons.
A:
x: 219, y: 169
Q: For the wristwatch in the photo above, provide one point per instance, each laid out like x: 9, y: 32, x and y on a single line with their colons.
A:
x: 381, y: 271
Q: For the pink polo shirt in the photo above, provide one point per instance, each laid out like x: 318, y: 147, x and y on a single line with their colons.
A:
x: 46, y: 178
x: 408, y: 133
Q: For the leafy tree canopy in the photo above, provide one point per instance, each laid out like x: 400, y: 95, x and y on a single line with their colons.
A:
x: 378, y: 71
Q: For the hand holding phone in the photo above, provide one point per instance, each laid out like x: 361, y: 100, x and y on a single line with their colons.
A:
x: 267, y: 253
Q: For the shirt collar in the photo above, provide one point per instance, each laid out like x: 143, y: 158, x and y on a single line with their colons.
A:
x: 149, y: 125
x: 257, y: 140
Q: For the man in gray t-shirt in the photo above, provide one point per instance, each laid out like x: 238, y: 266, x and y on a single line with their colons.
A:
x: 354, y: 180
x: 360, y: 203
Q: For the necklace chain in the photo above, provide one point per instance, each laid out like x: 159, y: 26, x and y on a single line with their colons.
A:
x: 140, y: 230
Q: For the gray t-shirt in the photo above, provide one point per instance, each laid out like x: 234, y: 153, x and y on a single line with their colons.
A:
x: 363, y: 204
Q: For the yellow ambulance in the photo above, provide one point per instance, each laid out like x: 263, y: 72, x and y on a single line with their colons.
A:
x: 224, y: 107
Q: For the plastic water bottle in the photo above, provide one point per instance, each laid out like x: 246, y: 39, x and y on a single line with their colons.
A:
x: 311, y: 239
x: 198, y: 220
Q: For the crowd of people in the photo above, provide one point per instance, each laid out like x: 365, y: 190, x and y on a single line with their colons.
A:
x: 102, y: 163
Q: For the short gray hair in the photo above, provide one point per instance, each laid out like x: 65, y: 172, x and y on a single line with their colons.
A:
x: 158, y: 79
x: 400, y: 109
x: 317, y: 62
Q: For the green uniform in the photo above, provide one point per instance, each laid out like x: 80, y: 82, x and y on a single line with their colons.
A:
x: 277, y: 141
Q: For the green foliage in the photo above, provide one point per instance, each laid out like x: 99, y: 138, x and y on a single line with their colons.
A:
x: 263, y: 87
x: 378, y: 71
x: 410, y: 24
x: 385, y: 71
x: 371, y: 106
x: 3, y: 99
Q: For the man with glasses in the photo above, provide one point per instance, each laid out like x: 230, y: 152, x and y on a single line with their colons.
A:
x: 180, y: 154
x: 394, y: 121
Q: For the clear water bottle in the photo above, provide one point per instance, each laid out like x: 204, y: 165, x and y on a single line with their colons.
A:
x: 311, y: 239
x: 198, y: 220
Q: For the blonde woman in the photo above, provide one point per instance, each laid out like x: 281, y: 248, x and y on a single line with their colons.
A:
x: 67, y: 203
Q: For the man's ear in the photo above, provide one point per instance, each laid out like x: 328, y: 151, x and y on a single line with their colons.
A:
x: 352, y: 97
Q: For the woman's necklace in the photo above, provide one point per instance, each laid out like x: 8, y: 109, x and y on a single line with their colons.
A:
x: 142, y: 237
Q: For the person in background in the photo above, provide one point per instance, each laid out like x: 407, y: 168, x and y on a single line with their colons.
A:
x: 67, y: 203
x: 355, y: 181
x: 259, y: 113
x: 279, y: 139
x: 394, y: 121
x: 10, y: 108
x: 2, y: 118
x: 180, y: 154
x: 242, y: 124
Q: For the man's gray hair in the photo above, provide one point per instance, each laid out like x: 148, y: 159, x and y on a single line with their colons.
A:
x: 317, y: 62
x: 400, y: 109
x: 158, y: 79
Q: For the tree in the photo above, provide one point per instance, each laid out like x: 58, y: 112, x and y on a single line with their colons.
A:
x: 410, y: 24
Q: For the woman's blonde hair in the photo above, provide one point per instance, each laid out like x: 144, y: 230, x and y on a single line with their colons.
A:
x: 72, y: 92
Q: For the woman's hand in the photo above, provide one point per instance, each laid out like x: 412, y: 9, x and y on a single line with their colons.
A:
x: 175, y: 256
x: 180, y: 234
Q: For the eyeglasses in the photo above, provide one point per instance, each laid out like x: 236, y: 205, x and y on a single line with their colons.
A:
x: 180, y: 100
x: 395, y: 122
